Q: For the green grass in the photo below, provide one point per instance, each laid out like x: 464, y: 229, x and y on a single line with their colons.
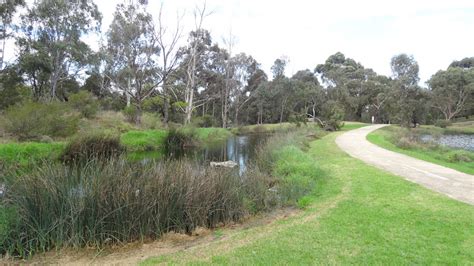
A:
x: 212, y: 134
x: 26, y: 152
x: 279, y: 127
x: 358, y: 215
x: 384, y: 138
x: 153, y: 140
x: 352, y: 125
x: 456, y: 128
x: 264, y: 128
x: 143, y: 140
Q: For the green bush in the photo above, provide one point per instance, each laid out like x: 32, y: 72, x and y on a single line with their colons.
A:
x: 131, y: 114
x: 295, y: 172
x: 333, y: 114
x: 205, y: 121
x: 85, y: 103
x: 178, y: 139
x: 153, y: 104
x: 151, y: 121
x: 32, y: 120
x: 93, y: 146
x: 460, y: 156
x: 442, y: 123
x: 298, y: 119
x: 143, y: 140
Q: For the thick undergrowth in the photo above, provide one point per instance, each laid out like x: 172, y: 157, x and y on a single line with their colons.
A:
x: 107, y: 199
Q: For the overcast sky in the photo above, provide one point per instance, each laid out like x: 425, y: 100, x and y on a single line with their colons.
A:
x: 309, y: 31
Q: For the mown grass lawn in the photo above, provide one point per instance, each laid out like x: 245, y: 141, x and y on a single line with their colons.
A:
x: 358, y: 215
x: 383, y: 138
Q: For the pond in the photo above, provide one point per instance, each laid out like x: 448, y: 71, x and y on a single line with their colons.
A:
x: 240, y: 149
x: 458, y: 141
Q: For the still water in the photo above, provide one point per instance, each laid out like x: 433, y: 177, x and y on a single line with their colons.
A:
x: 459, y: 141
x: 240, y: 149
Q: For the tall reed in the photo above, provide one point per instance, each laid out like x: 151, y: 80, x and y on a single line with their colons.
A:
x: 112, y: 201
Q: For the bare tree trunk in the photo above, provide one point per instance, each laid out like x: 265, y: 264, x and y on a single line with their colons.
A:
x: 190, y: 88
x: 4, y: 41
x: 166, y: 104
x: 55, y: 76
x: 282, y: 110
x: 170, y: 57
x: 199, y: 15
x: 127, y: 93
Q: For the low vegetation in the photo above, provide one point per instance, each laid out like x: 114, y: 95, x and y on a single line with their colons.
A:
x: 283, y: 156
x: 116, y: 201
x: 27, y: 152
x: 407, y: 141
x: 99, y: 198
x: 263, y: 128
x: 92, y: 146
x: 358, y: 215
x: 37, y: 121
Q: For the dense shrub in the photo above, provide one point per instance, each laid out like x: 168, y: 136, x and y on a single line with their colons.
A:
x: 106, y: 121
x: 92, y: 146
x: 153, y: 104
x: 117, y: 201
x: 298, y: 119
x: 32, y: 120
x: 442, y: 123
x: 406, y: 143
x: 178, y: 139
x: 113, y: 102
x: 131, y: 114
x: 460, y: 156
x: 406, y: 138
x: 85, y: 103
x: 295, y: 172
x: 151, y: 121
x: 205, y: 121
x: 11, y: 89
x: 333, y: 114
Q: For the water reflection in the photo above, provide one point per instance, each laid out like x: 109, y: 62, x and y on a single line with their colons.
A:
x: 240, y: 149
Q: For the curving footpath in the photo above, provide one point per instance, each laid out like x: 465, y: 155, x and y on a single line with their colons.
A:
x: 454, y: 184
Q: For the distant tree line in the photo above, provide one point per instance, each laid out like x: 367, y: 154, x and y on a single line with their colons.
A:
x: 141, y: 67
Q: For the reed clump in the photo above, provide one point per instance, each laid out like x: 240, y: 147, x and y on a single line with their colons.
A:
x: 111, y: 201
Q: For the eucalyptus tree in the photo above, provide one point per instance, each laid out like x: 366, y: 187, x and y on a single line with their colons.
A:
x: 452, y: 90
x: 132, y: 53
x: 244, y: 68
x: 200, y: 13
x: 281, y: 88
x: 311, y: 96
x: 380, y: 94
x: 466, y: 63
x: 405, y: 74
x: 345, y: 80
x: 167, y: 41
x: 251, y: 112
x: 7, y: 11
x: 50, y: 44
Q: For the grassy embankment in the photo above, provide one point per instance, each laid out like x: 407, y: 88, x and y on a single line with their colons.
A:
x: 133, y: 140
x: 357, y: 215
x: 264, y: 128
x: 390, y: 139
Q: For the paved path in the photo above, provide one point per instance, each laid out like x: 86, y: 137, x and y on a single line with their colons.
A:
x: 450, y: 182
